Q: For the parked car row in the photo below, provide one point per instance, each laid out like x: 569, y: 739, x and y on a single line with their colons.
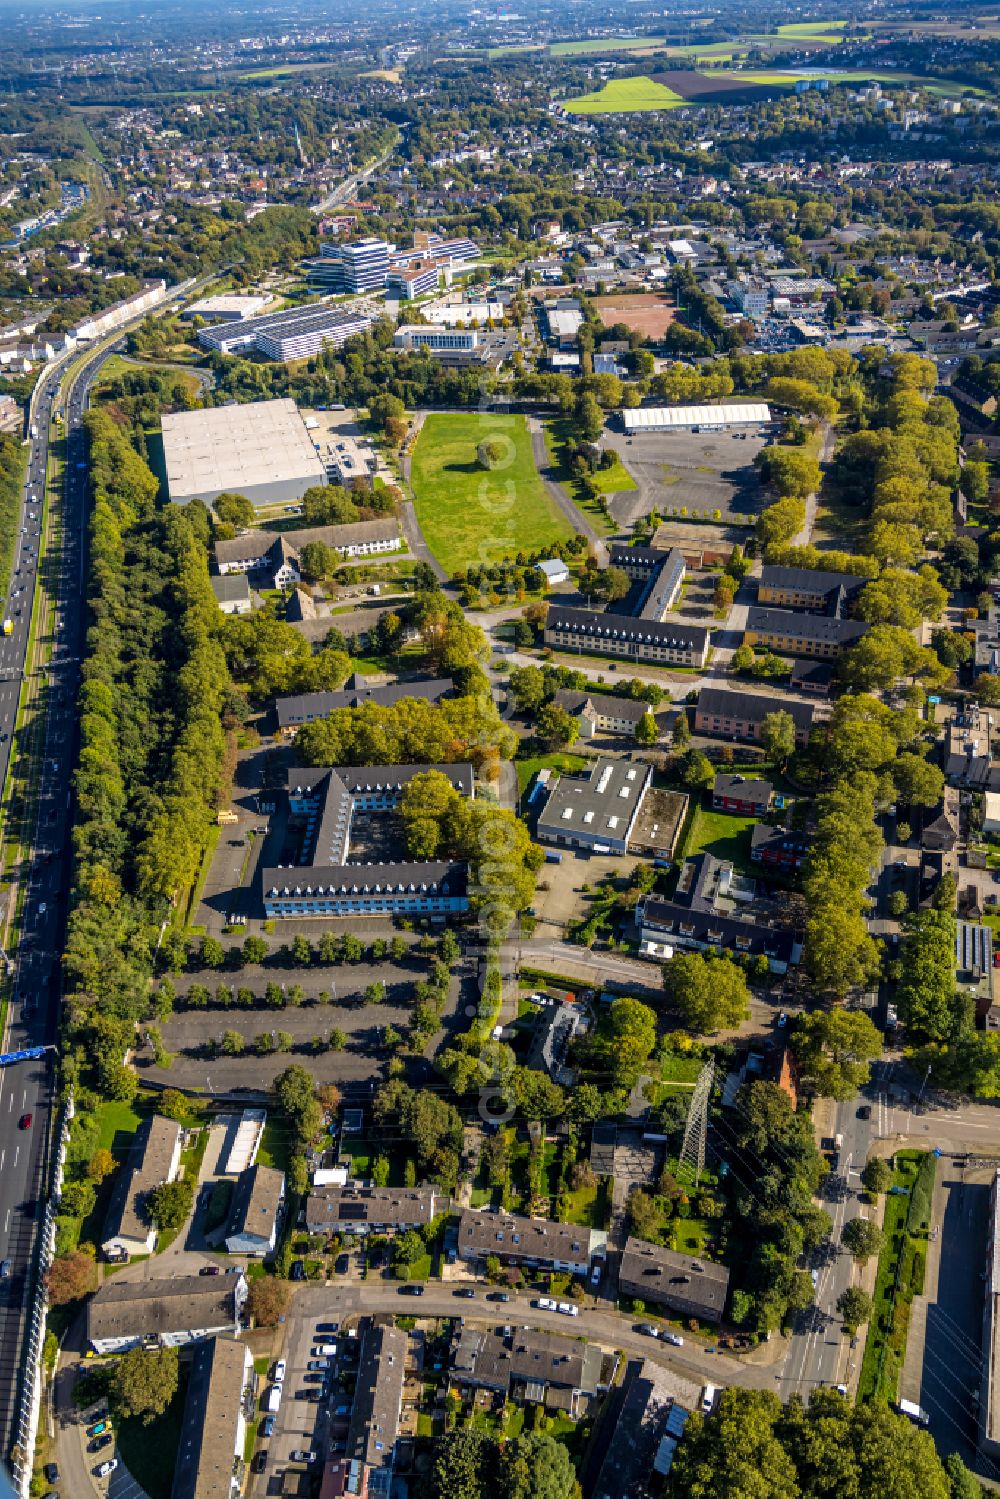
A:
x: 665, y: 1336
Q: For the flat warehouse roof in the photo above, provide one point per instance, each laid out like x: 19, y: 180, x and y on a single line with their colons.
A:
x: 238, y: 448
x: 653, y: 417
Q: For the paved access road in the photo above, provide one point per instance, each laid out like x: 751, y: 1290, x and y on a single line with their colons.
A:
x: 597, y: 1321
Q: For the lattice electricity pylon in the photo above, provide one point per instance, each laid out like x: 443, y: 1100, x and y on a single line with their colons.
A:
x: 696, y: 1124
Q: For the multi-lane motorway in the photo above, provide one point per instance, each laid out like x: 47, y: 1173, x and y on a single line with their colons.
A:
x: 41, y: 878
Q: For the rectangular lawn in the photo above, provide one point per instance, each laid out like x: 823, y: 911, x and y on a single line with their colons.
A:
x: 471, y: 515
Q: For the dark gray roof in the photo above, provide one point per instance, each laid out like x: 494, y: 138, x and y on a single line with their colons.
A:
x: 329, y: 1209
x: 211, y: 1428
x: 656, y: 1274
x: 231, y: 588
x: 809, y: 580
x: 778, y: 840
x: 605, y: 704
x: 727, y: 783
x: 378, y: 1397
x: 435, y: 876
x: 720, y: 702
x: 793, y: 626
x: 648, y: 558
x: 148, y: 1165
x: 310, y: 705
x: 665, y: 633
x: 691, y: 915
x: 508, y: 1235
x: 491, y: 1361
x: 258, y: 1196
x: 150, y: 1308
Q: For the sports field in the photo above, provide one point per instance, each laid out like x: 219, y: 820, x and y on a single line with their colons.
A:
x: 645, y: 313
x: 471, y: 515
x: 624, y: 96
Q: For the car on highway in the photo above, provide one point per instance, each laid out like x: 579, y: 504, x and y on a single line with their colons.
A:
x: 411, y: 1290
x: 672, y: 1337
x: 546, y: 1304
x: 5, y: 1269
x: 106, y: 1469
x: 498, y: 1296
x: 865, y: 1111
x: 466, y: 1291
x: 42, y: 908
x: 51, y: 1471
x: 647, y: 1329
x: 567, y: 1309
x: 25, y: 1121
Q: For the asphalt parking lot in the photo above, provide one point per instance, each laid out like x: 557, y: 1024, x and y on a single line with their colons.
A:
x: 701, y: 471
x: 303, y: 1422
x: 188, y: 1033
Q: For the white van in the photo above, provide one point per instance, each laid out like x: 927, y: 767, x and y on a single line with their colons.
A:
x: 568, y: 1310
x: 274, y: 1398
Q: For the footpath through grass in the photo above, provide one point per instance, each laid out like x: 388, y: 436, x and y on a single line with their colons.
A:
x: 470, y: 515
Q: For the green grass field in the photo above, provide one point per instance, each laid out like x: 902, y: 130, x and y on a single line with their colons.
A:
x: 604, y: 44
x: 625, y: 96
x: 812, y: 30
x: 723, y: 837
x: 471, y: 515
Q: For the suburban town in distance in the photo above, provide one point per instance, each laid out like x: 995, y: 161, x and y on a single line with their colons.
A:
x: 500, y: 751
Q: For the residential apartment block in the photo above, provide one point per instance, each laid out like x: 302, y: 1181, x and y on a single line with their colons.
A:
x: 601, y: 713
x: 685, y: 1284
x: 172, y: 1312
x: 530, y: 1241
x: 220, y: 1400
x: 155, y: 1158
x: 790, y: 634
x: 710, y: 912
x: 378, y: 1402
x: 747, y: 798
x: 620, y: 635
x: 324, y: 805
x: 257, y: 1205
x: 370, y: 1210
x: 739, y: 715
x: 293, y: 712
x: 806, y: 588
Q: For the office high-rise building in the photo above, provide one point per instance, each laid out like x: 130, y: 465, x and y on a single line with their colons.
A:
x: 361, y: 266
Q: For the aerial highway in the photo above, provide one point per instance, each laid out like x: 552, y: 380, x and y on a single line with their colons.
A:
x: 39, y: 881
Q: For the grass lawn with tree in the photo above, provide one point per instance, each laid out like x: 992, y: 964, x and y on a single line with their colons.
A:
x: 723, y: 836
x: 470, y: 514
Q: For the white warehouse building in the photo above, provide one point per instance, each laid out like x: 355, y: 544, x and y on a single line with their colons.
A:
x: 260, y: 449
x: 677, y: 418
